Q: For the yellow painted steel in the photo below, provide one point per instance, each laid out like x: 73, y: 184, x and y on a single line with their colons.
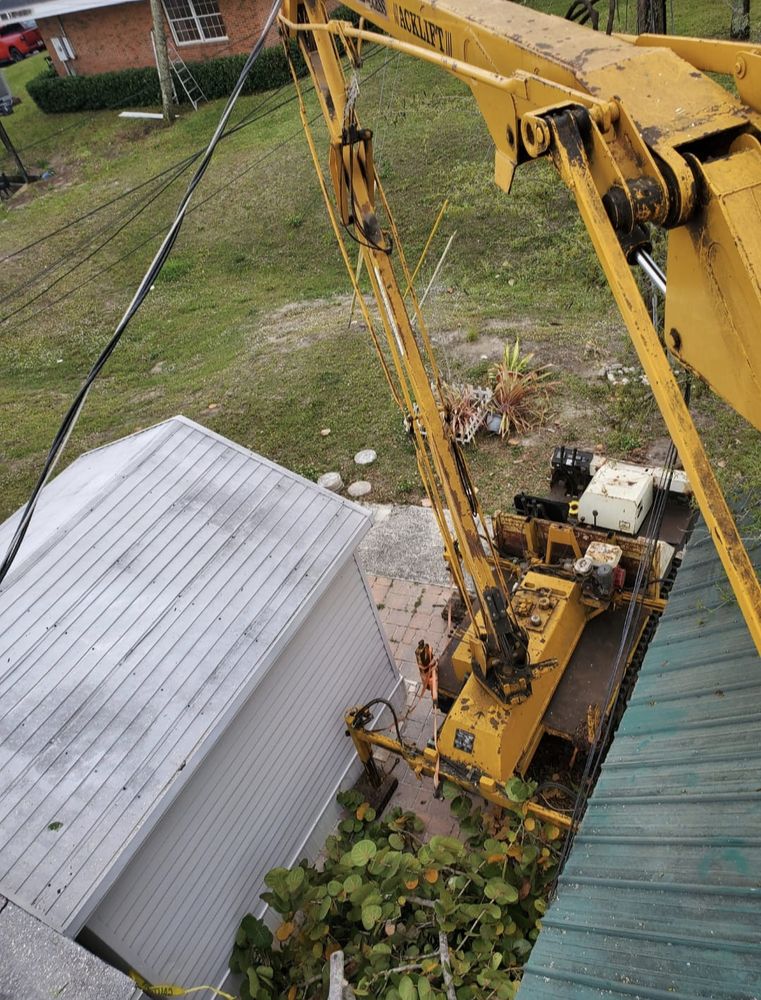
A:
x: 713, y: 310
x: 572, y: 164
x: 660, y: 143
x: 500, y: 739
x: 427, y: 762
x: 440, y: 460
x: 641, y: 137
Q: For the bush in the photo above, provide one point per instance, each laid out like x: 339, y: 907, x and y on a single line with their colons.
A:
x: 216, y: 78
x: 344, y: 13
x: 414, y: 920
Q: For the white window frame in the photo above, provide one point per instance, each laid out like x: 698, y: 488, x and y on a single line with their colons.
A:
x: 201, y: 40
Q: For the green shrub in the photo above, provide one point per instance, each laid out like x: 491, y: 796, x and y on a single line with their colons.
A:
x: 344, y: 13
x: 55, y: 94
x: 216, y: 78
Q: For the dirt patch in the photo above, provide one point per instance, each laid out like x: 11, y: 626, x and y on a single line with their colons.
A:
x: 585, y: 353
x: 297, y: 325
x: 305, y: 349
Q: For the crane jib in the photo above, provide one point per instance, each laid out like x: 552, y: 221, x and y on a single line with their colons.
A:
x: 424, y: 30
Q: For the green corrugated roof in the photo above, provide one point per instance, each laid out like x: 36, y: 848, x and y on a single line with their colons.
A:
x: 661, y: 894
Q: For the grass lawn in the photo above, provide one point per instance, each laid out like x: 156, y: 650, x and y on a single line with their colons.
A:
x: 247, y: 328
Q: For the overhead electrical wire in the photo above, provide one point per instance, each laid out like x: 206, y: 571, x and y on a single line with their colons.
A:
x: 113, y: 233
x: 248, y: 119
x: 242, y: 124
x: 253, y: 116
x: 72, y: 415
x: 157, y: 232
x: 124, y: 101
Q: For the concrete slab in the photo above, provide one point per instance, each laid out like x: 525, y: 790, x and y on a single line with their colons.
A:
x: 404, y: 543
x: 37, y: 963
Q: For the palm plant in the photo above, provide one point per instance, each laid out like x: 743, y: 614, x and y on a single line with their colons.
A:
x: 519, y: 391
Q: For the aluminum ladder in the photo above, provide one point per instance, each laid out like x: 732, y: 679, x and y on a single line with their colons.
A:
x: 178, y: 69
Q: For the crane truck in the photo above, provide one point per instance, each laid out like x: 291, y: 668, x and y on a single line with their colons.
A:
x: 644, y: 140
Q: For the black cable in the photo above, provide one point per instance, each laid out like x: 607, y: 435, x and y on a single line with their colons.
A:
x: 108, y: 227
x: 628, y: 635
x: 242, y: 124
x: 390, y: 707
x: 46, y: 237
x: 70, y: 419
x: 124, y: 101
x: 556, y: 786
x: 158, y: 232
x: 253, y: 116
x: 249, y: 118
x: 112, y: 236
x: 181, y: 166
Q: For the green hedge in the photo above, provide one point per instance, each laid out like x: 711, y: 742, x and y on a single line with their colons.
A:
x: 140, y: 87
x: 344, y: 13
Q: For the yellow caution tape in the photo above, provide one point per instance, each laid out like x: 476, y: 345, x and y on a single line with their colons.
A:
x: 172, y: 989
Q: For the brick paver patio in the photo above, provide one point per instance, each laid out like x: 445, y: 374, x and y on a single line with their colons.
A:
x: 411, y: 612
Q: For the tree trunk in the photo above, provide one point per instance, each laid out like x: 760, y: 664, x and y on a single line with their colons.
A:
x: 651, y: 17
x: 162, y: 61
x: 740, y: 28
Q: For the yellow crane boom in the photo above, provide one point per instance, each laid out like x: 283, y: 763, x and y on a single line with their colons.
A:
x: 641, y: 137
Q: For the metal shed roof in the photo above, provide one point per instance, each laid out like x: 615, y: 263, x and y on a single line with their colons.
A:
x: 661, y: 895
x: 160, y: 579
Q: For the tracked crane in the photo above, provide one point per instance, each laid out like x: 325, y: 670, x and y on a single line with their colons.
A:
x: 642, y: 138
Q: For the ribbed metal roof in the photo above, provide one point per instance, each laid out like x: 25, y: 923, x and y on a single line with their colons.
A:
x: 661, y: 895
x: 158, y: 582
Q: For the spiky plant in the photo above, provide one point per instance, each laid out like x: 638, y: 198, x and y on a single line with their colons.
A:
x: 520, y: 391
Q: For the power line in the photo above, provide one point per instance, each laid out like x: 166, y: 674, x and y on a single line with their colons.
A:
x: 180, y: 167
x: 141, y: 208
x: 245, y: 122
x: 124, y: 194
x: 250, y: 118
x: 130, y: 99
x: 157, y: 232
x: 72, y: 415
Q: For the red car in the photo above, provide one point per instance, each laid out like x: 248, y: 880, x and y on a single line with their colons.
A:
x: 17, y: 41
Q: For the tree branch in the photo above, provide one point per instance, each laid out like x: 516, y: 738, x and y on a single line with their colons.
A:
x: 337, y: 980
x: 446, y: 967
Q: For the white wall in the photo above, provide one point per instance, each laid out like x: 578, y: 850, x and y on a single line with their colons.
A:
x: 263, y: 797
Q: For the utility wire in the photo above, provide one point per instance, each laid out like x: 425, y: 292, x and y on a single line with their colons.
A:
x: 158, y: 232
x: 246, y: 120
x: 100, y: 246
x: 180, y: 167
x: 72, y: 415
x: 254, y: 115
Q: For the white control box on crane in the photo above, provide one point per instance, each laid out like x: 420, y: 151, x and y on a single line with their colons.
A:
x: 618, y: 498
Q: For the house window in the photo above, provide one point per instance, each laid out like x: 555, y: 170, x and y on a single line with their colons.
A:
x: 195, y: 20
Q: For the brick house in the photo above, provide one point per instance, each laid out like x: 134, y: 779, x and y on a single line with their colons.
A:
x: 94, y: 36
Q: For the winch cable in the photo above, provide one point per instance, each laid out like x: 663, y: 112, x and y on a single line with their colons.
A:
x: 629, y: 638
x: 163, y: 252
x: 642, y: 581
